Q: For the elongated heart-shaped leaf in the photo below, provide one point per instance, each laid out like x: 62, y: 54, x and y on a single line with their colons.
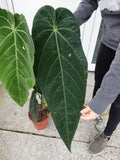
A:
x: 16, y: 56
x: 60, y: 67
x: 33, y: 107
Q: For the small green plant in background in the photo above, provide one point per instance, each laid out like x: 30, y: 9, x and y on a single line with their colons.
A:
x: 60, y: 66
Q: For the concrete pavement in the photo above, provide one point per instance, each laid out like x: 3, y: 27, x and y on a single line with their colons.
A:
x: 19, y: 140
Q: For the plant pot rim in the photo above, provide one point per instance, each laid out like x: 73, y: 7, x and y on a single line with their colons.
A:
x: 41, y: 124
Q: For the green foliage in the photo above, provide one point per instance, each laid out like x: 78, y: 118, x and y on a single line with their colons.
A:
x: 16, y: 56
x: 60, y: 67
x: 33, y: 107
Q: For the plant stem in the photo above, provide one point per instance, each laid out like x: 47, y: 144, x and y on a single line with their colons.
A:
x: 43, y: 102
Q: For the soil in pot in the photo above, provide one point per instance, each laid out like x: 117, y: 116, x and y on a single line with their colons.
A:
x: 42, y: 115
x: 42, y: 119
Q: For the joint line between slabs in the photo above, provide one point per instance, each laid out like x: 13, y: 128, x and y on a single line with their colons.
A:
x: 29, y: 133
x: 35, y: 134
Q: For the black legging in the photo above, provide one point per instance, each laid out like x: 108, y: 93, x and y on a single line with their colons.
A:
x: 104, y: 59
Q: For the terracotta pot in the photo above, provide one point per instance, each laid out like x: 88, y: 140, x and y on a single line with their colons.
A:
x: 40, y: 125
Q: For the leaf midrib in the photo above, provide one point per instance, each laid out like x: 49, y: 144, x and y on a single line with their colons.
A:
x: 17, y: 67
x: 58, y: 51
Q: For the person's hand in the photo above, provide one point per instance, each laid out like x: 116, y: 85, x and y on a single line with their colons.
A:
x: 87, y: 113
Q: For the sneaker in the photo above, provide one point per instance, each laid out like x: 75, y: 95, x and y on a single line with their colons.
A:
x: 99, y: 143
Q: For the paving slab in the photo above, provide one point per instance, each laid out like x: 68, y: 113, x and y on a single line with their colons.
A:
x: 13, y: 117
x: 16, y: 146
x: 0, y: 84
x: 90, y: 79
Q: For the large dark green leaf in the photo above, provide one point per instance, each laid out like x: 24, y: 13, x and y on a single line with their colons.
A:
x: 60, y: 67
x: 16, y: 56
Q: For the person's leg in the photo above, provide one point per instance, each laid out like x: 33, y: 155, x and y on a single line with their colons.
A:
x: 114, y: 117
x: 104, y: 59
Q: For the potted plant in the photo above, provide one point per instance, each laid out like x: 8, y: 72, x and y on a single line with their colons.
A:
x: 60, y: 66
x: 38, y: 111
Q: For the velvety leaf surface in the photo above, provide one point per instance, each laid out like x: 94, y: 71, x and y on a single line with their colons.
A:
x: 60, y: 67
x: 16, y: 56
x: 33, y: 107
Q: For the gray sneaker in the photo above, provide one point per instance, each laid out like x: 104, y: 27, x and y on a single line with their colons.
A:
x: 99, y: 143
